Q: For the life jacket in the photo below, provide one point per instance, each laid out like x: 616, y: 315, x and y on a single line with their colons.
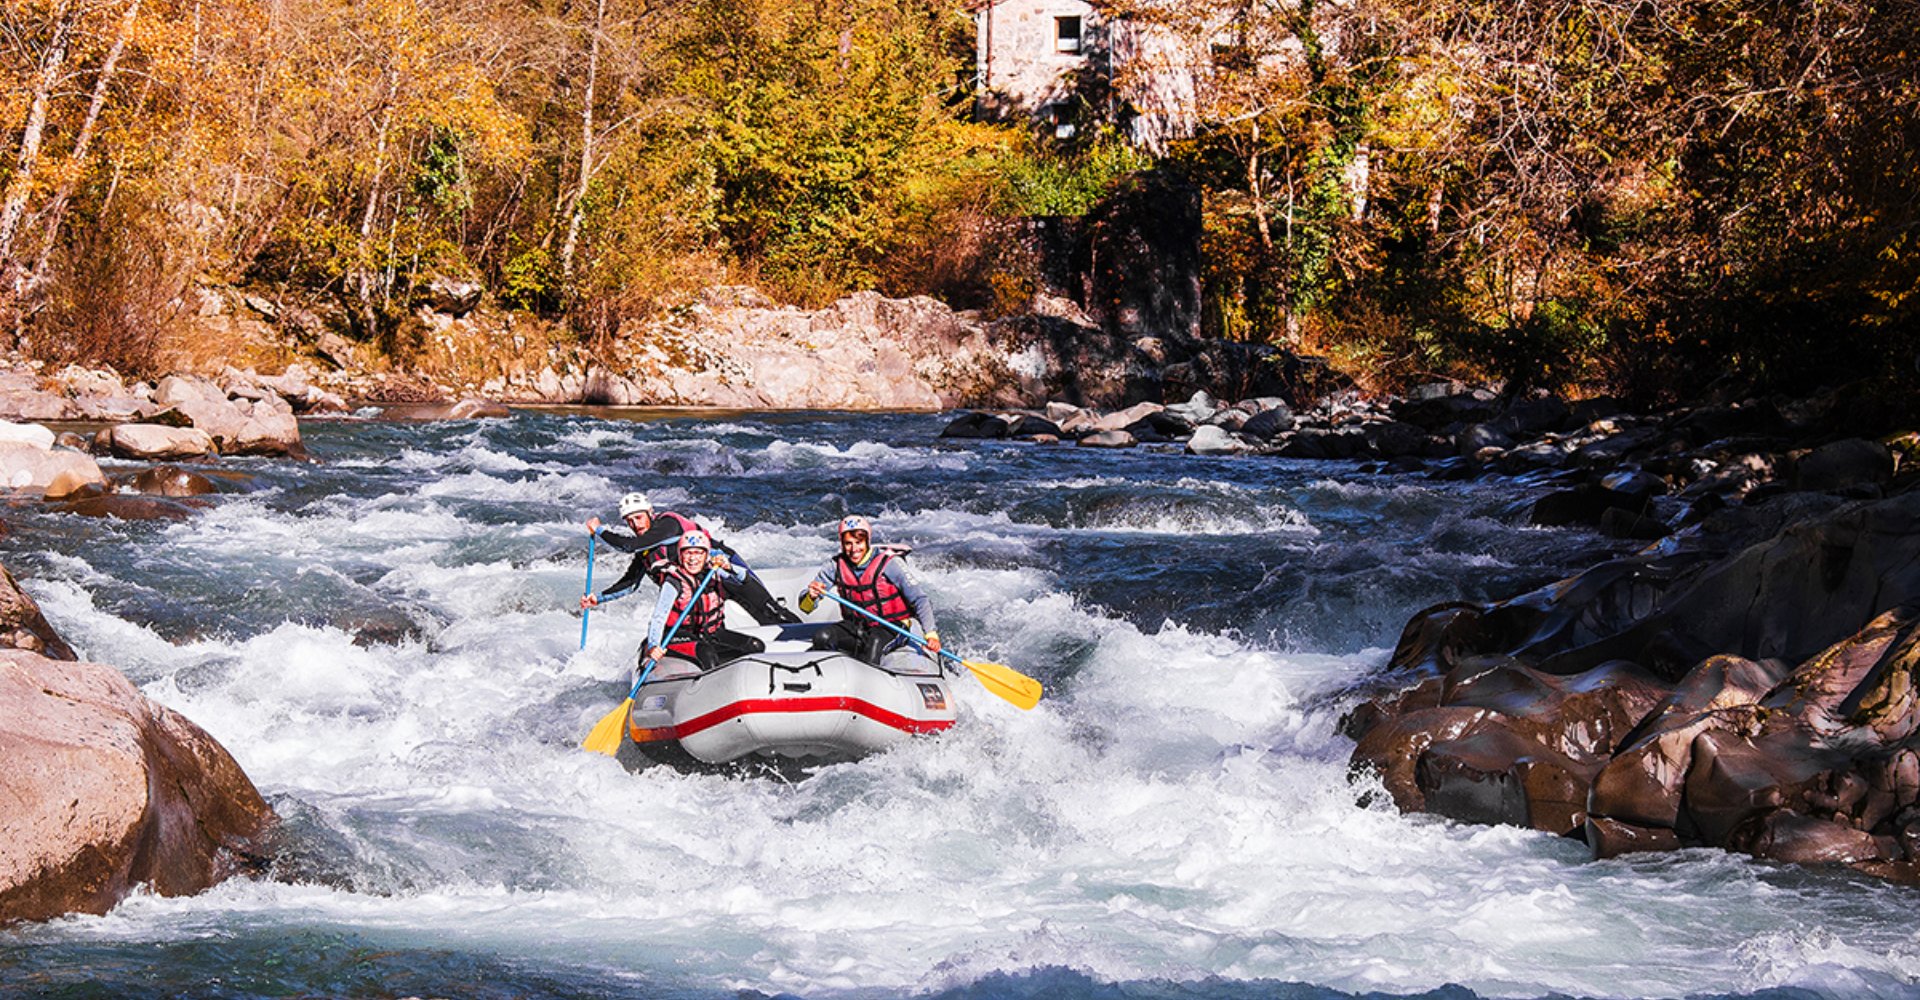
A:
x: 870, y: 589
x: 666, y: 555
x: 705, y: 617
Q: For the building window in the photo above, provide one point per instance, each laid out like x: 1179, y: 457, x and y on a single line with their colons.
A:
x: 1066, y: 34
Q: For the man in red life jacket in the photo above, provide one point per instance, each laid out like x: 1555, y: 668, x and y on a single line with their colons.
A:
x: 701, y: 635
x: 877, y: 581
x: 653, y: 543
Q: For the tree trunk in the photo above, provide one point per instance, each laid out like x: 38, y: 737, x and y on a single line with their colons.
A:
x: 20, y: 185
x: 586, y: 144
x: 56, y: 212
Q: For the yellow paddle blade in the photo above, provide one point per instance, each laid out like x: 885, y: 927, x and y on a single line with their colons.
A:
x: 1006, y: 682
x: 609, y: 731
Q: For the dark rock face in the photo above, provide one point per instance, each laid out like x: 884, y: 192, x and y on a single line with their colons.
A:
x: 1754, y: 694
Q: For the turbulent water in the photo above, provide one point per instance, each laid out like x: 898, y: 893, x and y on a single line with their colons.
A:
x: 383, y: 639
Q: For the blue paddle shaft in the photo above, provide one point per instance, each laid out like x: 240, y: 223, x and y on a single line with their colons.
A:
x: 584, y: 612
x: 916, y: 640
x: 668, y: 641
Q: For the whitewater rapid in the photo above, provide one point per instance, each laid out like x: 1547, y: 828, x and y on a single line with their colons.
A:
x: 385, y: 642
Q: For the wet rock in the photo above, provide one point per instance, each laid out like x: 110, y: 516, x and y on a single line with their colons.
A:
x: 1108, y: 439
x: 22, y: 626
x: 167, y: 481
x: 1496, y: 776
x: 107, y: 791
x: 1610, y: 838
x: 1392, y: 748
x: 129, y: 508
x: 1784, y: 835
x: 1026, y: 425
x: 976, y: 425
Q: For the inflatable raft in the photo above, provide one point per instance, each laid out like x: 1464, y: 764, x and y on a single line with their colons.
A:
x: 791, y: 701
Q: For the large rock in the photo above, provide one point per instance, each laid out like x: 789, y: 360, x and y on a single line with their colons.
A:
x: 1792, y: 732
x: 22, y: 626
x: 157, y: 441
x: 26, y: 466
x: 106, y: 791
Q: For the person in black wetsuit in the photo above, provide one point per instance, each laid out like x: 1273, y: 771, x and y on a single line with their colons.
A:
x: 655, y: 538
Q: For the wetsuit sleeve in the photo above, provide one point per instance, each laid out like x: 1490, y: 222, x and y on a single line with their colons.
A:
x: 917, y: 600
x: 621, y: 540
x: 636, y: 571
x: 826, y: 576
x: 662, y: 606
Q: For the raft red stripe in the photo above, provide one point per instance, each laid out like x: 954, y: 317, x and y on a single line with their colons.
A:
x: 791, y: 705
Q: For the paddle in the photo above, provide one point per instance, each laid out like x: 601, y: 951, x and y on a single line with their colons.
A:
x: 612, y: 727
x: 998, y: 678
x: 584, y: 612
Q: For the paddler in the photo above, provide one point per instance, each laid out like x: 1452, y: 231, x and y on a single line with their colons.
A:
x: 698, y: 627
x: 876, y: 580
x: 654, y: 541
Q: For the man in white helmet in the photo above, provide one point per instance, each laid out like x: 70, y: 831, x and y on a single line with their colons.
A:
x: 876, y: 580
x: 655, y: 538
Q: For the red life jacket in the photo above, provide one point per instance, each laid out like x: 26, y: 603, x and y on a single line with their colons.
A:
x: 707, y: 614
x: 871, y: 590
x: 666, y: 555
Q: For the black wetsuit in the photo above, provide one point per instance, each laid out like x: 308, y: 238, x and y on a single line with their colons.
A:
x: 652, y: 552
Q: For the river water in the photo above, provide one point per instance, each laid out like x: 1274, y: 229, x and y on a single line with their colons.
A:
x: 383, y: 639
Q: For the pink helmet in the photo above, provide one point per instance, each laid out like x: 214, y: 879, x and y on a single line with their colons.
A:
x: 854, y: 522
x: 695, y: 540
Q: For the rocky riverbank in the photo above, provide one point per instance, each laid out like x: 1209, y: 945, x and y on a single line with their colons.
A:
x: 1743, y: 680
x: 105, y: 791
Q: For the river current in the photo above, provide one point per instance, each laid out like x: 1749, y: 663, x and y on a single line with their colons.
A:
x: 385, y: 640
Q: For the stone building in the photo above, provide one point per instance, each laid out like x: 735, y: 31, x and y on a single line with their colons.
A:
x: 1069, y: 63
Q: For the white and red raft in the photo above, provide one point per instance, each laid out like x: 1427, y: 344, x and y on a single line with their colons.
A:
x: 791, y: 701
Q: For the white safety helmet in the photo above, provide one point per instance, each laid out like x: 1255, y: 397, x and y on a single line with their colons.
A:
x: 635, y: 503
x: 695, y: 540
x: 854, y: 522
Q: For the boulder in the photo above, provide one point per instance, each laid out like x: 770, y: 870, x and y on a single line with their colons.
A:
x: 168, y: 481
x: 107, y: 791
x: 31, y: 434
x: 22, y: 626
x: 1844, y: 464
x: 1108, y: 439
x: 151, y: 441
x: 1121, y: 419
x: 975, y: 425
x: 1269, y: 423
x: 1026, y: 425
x: 130, y: 508
x: 26, y: 466
x: 1213, y: 440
